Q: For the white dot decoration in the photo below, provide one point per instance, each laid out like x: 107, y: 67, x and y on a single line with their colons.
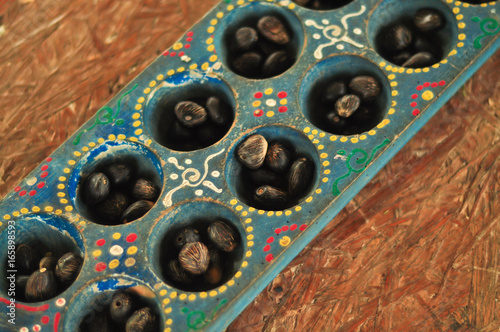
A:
x: 188, y: 161
x: 325, y: 22
x: 24, y: 329
x: 340, y: 46
x: 116, y: 250
x: 316, y: 36
x: 198, y: 192
x: 31, y: 181
x: 174, y: 176
x: 215, y: 174
x: 217, y: 65
x: 357, y: 31
x: 271, y: 102
x: 60, y: 302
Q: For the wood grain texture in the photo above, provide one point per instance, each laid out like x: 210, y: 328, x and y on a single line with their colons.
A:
x: 417, y: 250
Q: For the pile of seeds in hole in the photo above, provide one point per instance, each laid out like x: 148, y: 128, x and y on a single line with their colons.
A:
x: 350, y: 105
x: 116, y: 195
x: 40, y: 277
x: 274, y: 174
x: 202, y: 255
x: 125, y: 312
x: 413, y: 43
x: 322, y: 4
x: 198, y: 123
x: 261, y: 51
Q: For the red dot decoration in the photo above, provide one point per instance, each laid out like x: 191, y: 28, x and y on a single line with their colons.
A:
x: 258, y: 95
x: 419, y: 88
x: 282, y: 109
x: 413, y: 104
x: 131, y: 238
x: 189, y: 39
x: 166, y: 53
x: 303, y: 227
x: 284, y: 228
x: 267, y: 247
x: 32, y: 193
x: 416, y: 112
x: 44, y: 174
x: 100, y: 242
x: 190, y: 34
x: 44, y: 167
x: 427, y: 84
x: 100, y: 267
x: 48, y: 159
x: 45, y: 319
x: 270, y: 239
x: 181, y: 53
x: 41, y: 185
x: 36, y: 328
x: 277, y: 231
x: 187, y: 46
x: 414, y: 96
x: 282, y: 94
x: 293, y: 227
x: 269, y: 257
x: 16, y: 189
x: 434, y: 85
x: 258, y: 113
x: 442, y: 83
x: 173, y: 54
x: 22, y: 193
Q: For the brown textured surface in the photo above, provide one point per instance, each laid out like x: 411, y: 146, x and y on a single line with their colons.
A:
x: 417, y: 250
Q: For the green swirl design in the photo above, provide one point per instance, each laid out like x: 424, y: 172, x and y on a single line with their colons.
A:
x: 106, y: 115
x: 197, y: 319
x: 489, y: 26
x: 360, y: 163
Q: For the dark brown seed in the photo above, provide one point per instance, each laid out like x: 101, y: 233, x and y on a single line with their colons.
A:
x: 68, y: 267
x: 142, y: 320
x: 21, y: 282
x: 48, y: 263
x: 111, y: 210
x: 214, y: 273
x: 177, y: 273
x: 26, y: 259
x: 97, y: 188
x: 275, y: 64
x: 245, y: 39
x: 190, y: 113
x: 270, y: 196
x: 121, y: 307
x: 248, y: 64
x: 300, y: 176
x: 268, y: 47
x: 365, y: 87
x: 302, y: 2
x: 97, y: 322
x: 119, y: 174
x: 334, y: 91
x: 401, y: 57
x: 397, y: 38
x: 145, y: 189
x: 178, y: 132
x: 41, y: 286
x: 347, y: 105
x: 428, y: 19
x: 217, y: 111
x: 419, y: 60
x: 194, y: 257
x: 278, y: 157
x: 136, y: 211
x: 263, y: 176
x: 222, y: 236
x: 252, y: 151
x: 423, y: 43
x: 186, y: 235
x: 273, y: 29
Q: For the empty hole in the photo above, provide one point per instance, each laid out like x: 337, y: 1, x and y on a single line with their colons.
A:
x: 319, y: 104
x: 196, y: 216
x: 248, y: 183
x: 46, y: 235
x: 134, y: 178
x: 163, y: 122
x: 322, y: 4
x: 265, y: 57
x: 413, y: 34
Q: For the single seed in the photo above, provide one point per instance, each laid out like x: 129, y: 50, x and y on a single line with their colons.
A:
x: 217, y: 111
x: 270, y: 196
x: 347, y: 105
x: 252, y: 151
x: 263, y: 176
x: 401, y: 57
x: 396, y: 37
x: 190, y: 113
x: 145, y: 190
x: 121, y: 307
x: 248, y: 64
x: 177, y: 273
x: 119, y: 174
x: 365, y: 87
x: 136, y: 211
x: 300, y: 176
x: 214, y: 273
x: 194, y: 257
x: 423, y: 43
x: 111, y: 210
x: 275, y: 64
x: 273, y: 29
x: 334, y: 91
x: 21, y: 282
x: 428, y: 19
x: 278, y: 157
x: 268, y: 47
x: 142, y: 320
x: 96, y: 188
x: 68, y: 267
x: 41, y: 286
x: 419, y: 60
x: 222, y: 236
x: 245, y: 39
x: 48, y: 263
x: 26, y: 259
x: 186, y: 235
